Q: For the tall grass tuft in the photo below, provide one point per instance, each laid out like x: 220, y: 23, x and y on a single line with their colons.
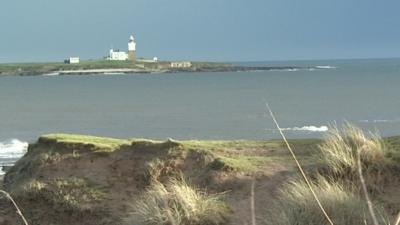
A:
x: 340, y: 150
x: 296, y: 205
x: 177, y: 203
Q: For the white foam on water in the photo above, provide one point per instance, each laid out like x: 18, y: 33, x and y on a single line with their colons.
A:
x: 308, y: 128
x: 291, y: 70
x: 325, y: 67
x: 283, y: 70
x: 51, y: 74
x: 379, y: 121
x: 12, y: 149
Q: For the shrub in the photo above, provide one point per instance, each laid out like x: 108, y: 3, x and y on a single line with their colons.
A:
x: 296, y: 205
x: 178, y: 204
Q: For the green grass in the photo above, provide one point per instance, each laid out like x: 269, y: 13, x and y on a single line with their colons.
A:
x: 202, y: 144
x: 240, y: 163
x: 85, y: 139
x: 221, y: 144
x: 302, y: 145
x: 220, y: 150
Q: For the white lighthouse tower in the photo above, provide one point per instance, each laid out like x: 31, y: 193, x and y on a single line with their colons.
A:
x: 132, y: 49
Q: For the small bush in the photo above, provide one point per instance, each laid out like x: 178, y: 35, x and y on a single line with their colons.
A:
x: 297, y: 206
x: 178, y: 204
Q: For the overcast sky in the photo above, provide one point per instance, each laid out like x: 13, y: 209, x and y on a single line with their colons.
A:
x: 222, y: 30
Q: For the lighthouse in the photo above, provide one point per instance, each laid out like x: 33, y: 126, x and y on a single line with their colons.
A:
x: 132, y: 49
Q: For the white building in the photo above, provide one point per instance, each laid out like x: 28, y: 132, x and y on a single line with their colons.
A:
x: 117, y: 55
x: 123, y: 56
x: 72, y: 60
x: 181, y: 64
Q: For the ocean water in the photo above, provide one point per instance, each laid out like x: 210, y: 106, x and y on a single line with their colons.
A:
x: 202, y: 105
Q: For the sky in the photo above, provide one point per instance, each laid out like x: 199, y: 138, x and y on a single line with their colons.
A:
x: 203, y: 30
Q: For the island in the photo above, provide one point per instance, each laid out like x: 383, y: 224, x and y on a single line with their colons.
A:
x: 126, y: 67
x: 125, y: 62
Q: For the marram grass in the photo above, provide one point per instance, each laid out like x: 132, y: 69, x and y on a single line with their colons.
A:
x: 296, y: 205
x: 339, y: 152
x: 339, y: 149
x: 177, y: 203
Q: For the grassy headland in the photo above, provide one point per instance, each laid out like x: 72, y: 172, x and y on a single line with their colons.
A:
x: 76, y: 179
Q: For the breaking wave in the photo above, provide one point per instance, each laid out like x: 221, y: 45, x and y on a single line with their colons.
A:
x: 10, y: 151
x: 284, y: 70
x: 308, y: 128
x: 325, y: 67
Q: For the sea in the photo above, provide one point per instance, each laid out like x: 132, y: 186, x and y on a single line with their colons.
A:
x: 223, y: 105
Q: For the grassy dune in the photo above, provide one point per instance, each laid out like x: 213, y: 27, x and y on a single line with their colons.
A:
x: 349, y: 159
x: 138, y: 181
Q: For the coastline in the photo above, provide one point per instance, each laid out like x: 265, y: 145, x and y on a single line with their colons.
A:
x: 94, y: 176
x: 111, y: 67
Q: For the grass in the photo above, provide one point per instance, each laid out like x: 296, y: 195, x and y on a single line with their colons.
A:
x: 393, y: 143
x: 218, y: 149
x: 220, y: 144
x: 182, y: 203
x: 56, y: 66
x: 296, y: 205
x: 344, y: 153
x: 339, y: 152
x: 84, y: 139
x: 177, y: 203
x: 239, y: 163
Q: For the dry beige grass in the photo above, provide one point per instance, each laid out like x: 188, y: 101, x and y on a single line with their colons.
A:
x: 301, y: 170
x: 339, y: 154
x: 178, y: 204
x: 345, y: 154
x: 296, y: 205
x: 339, y: 149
